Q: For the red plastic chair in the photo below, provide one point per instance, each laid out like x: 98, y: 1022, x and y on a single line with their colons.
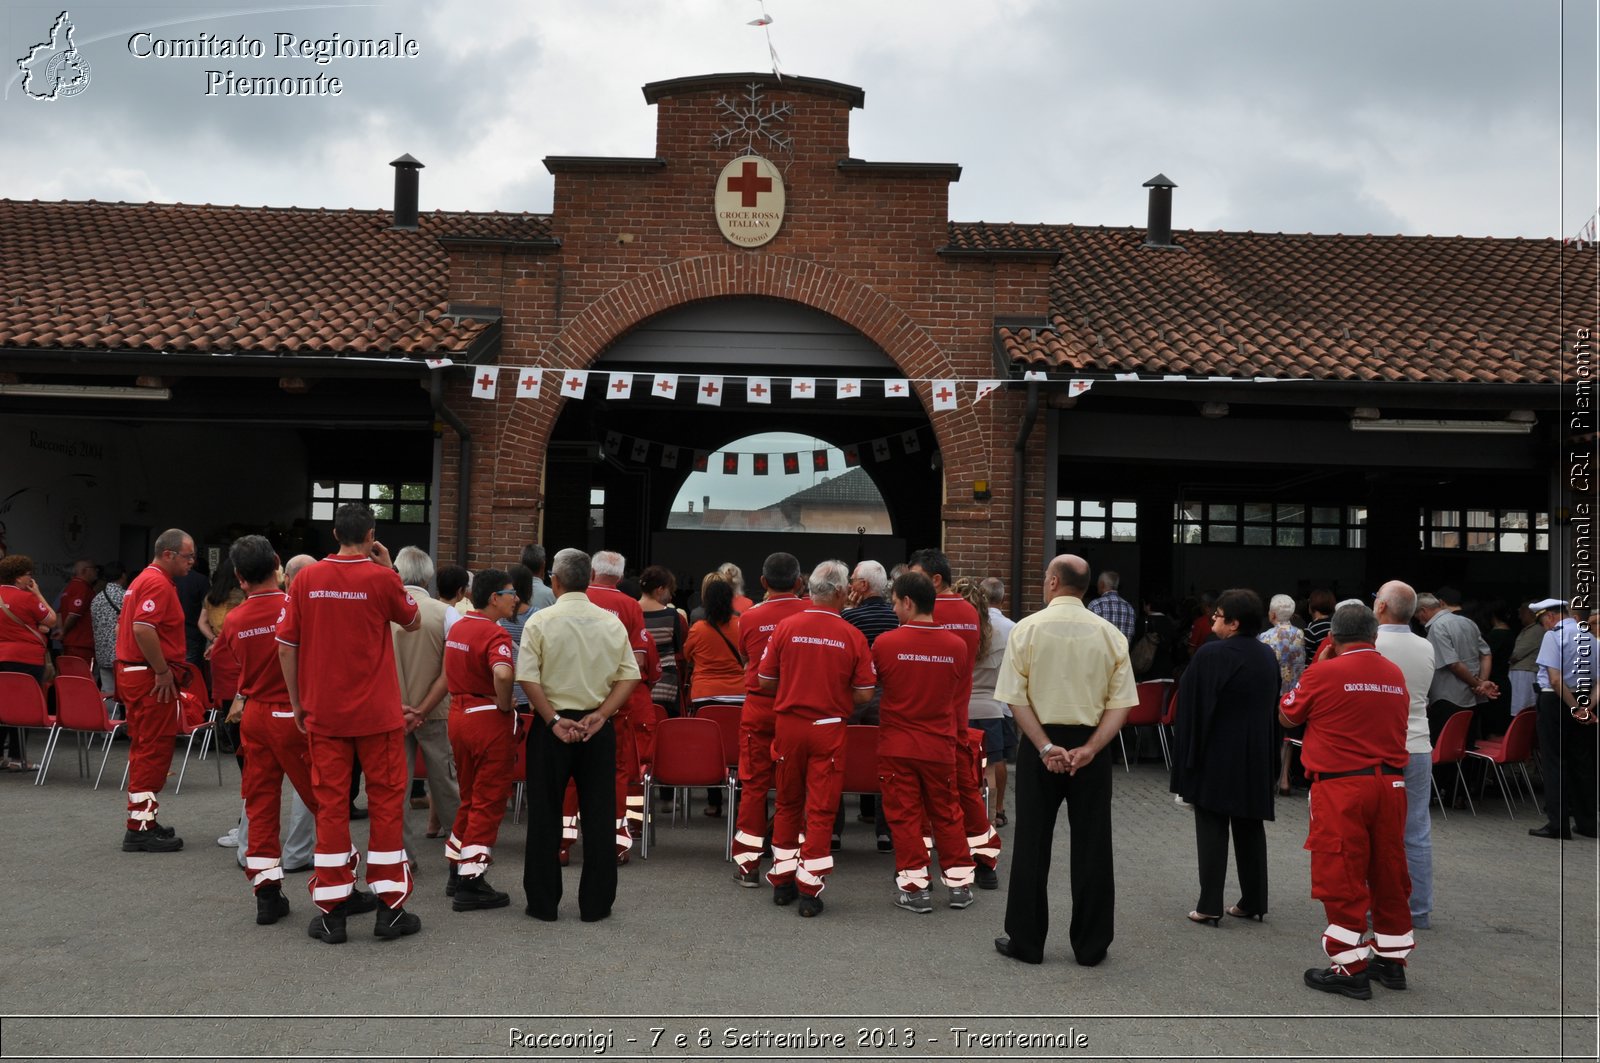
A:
x: 1514, y: 749
x: 81, y: 709
x: 22, y: 706
x: 1451, y: 748
x: 727, y: 717
x: 68, y: 664
x: 1154, y: 695
x: 689, y: 753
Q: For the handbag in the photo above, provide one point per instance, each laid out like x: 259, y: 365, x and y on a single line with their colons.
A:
x: 49, y: 665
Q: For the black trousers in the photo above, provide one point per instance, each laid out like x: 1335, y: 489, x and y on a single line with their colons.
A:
x: 1250, y: 852
x: 1040, y: 793
x: 593, y: 765
x: 1567, y: 762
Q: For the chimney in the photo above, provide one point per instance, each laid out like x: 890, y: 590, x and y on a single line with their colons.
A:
x: 405, y: 192
x: 1159, y: 229
x: 691, y: 505
x: 705, y: 503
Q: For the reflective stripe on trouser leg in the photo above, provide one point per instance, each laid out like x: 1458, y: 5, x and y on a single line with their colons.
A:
x: 746, y: 849
x: 985, y: 848
x: 785, y: 862
x: 333, y: 878
x: 475, y: 860
x: 261, y: 870
x: 912, y: 879
x: 142, y: 808
x: 624, y: 839
x: 452, y: 848
x: 812, y: 874
x: 1343, y: 946
x: 1393, y: 946
x: 635, y: 809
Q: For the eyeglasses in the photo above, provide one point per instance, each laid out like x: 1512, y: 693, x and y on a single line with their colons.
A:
x: 184, y: 557
x: 499, y: 593
x: 1218, y: 616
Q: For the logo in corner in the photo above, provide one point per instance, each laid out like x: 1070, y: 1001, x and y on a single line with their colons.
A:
x: 55, y: 69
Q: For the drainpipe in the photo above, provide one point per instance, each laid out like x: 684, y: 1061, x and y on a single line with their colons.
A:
x: 463, y: 457
x: 1018, y: 481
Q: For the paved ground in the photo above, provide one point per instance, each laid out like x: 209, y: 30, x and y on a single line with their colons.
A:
x: 145, y: 956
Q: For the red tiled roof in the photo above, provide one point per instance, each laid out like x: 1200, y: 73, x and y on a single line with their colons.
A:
x: 1390, y: 308
x: 174, y: 277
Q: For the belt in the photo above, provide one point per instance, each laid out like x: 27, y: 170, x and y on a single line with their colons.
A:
x: 1376, y: 769
x: 482, y: 708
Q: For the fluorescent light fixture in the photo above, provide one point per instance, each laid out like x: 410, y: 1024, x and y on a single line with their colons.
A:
x: 84, y: 391
x: 1441, y: 427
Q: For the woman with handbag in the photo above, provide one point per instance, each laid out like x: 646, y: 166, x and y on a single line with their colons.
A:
x: 711, y: 655
x: 25, y: 618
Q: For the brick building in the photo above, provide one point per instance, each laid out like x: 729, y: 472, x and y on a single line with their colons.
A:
x: 1210, y: 408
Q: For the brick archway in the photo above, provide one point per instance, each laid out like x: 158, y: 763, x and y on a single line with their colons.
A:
x: 582, y: 340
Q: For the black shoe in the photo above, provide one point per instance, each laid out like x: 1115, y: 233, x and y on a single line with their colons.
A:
x: 1587, y: 832
x: 475, y: 893
x: 988, y: 878
x: 271, y: 904
x: 810, y: 906
x: 329, y: 926
x: 165, y: 832
x: 451, y: 882
x: 1005, y: 948
x: 395, y: 922
x: 360, y: 902
x: 785, y: 894
x: 1333, y: 980
x: 885, y: 844
x: 1546, y: 831
x: 748, y: 879
x: 358, y: 813
x: 542, y: 917
x: 1391, y: 974
x: 150, y: 841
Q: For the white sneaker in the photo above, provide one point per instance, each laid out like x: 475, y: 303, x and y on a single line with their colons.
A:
x: 230, y: 840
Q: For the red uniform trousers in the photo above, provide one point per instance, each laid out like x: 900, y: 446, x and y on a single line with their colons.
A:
x: 485, y: 746
x: 383, y: 761
x: 915, y: 792
x: 1358, y: 864
x: 982, y: 840
x: 630, y: 789
x: 273, y: 747
x: 808, y: 768
x: 151, y: 727
x: 641, y: 726
x: 756, y: 723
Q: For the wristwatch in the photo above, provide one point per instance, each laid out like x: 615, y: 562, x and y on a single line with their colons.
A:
x: 1048, y: 746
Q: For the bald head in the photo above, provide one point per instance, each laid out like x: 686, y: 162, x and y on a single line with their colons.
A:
x: 1396, y: 603
x: 294, y: 565
x: 1067, y: 574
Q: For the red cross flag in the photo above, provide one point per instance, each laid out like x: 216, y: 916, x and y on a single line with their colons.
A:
x: 847, y: 387
x: 944, y: 394
x: 702, y: 459
x: 669, y: 457
x: 437, y: 363
x: 758, y: 389
x: 620, y: 386
x: 665, y: 386
x: 573, y: 385
x: 1078, y: 387
x: 880, y: 450
x: 613, y: 443
x: 803, y: 387
x: 791, y: 464
x: 910, y: 441
x: 1036, y: 374
x: 641, y: 450
x: 484, y: 380
x: 528, y: 381
x: 897, y: 389
x: 819, y: 461
x: 760, y: 463
x: 709, y: 393
x: 987, y: 388
x: 730, y: 465
x: 852, y: 456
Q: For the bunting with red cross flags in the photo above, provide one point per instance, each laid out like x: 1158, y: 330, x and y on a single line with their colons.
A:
x: 484, y: 381
x: 702, y: 459
x: 819, y: 461
x: 847, y: 387
x: 880, y: 450
x: 641, y: 450
x: 852, y: 456
x: 986, y: 388
x: 759, y: 464
x: 709, y: 393
x: 1079, y: 386
x: 619, y: 386
x: 528, y: 383
x: 437, y: 363
x: 613, y: 443
x: 910, y: 441
x: 758, y: 389
x: 573, y: 384
x: 791, y: 464
x: 669, y: 457
x: 944, y: 394
x: 803, y: 387
x: 897, y: 389
x: 665, y: 386
x: 730, y: 465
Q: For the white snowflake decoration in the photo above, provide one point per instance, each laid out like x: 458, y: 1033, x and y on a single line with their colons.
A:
x: 752, y: 121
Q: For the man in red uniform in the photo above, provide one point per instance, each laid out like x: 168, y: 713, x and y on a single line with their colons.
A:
x: 77, y: 629
x: 818, y: 667
x: 636, y: 721
x: 955, y: 613
x: 1354, y: 705
x: 780, y: 574
x: 150, y: 674
x: 483, y: 733
x: 338, y: 665
x: 919, y: 666
x: 273, y: 747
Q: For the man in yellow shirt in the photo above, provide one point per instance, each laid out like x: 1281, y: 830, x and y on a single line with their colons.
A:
x: 1067, y: 677
x: 577, y: 667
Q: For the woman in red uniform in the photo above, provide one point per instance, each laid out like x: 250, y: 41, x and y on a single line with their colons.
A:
x: 478, y: 668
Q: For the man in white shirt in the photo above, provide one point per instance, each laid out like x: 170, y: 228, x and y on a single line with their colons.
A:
x: 1413, y: 655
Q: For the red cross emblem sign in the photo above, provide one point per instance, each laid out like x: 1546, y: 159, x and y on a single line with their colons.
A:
x: 749, y: 201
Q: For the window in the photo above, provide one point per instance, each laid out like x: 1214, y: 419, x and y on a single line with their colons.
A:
x: 1099, y: 519
x: 1497, y: 531
x: 597, y: 507
x: 404, y: 503
x: 1288, y: 524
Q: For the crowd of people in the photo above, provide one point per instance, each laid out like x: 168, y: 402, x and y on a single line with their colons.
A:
x: 350, y: 667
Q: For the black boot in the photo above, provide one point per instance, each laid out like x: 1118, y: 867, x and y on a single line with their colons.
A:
x: 271, y: 904
x: 394, y: 923
x: 474, y: 892
x: 329, y: 926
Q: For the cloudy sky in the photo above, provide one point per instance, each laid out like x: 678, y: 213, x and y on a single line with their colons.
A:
x: 1471, y: 117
